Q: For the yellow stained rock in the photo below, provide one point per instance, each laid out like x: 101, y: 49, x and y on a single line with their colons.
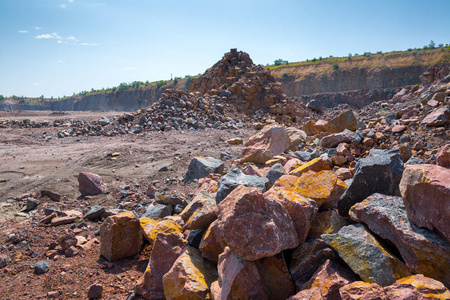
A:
x: 326, y: 222
x: 316, y: 165
x: 151, y: 227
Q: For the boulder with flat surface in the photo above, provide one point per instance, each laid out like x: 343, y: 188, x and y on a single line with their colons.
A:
x: 201, y: 167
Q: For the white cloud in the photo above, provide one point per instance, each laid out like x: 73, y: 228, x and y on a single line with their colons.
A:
x: 89, y: 44
x: 129, y: 68
x: 63, y: 6
x: 53, y: 35
x: 36, y: 83
x: 60, y: 61
x: 72, y: 38
x: 37, y: 28
x: 23, y: 31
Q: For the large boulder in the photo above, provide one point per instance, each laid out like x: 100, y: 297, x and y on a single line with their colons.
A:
x: 426, y: 194
x: 423, y: 251
x: 380, y: 173
x: 211, y: 243
x: 190, y: 277
x: 151, y: 228
x: 345, y: 120
x: 270, y: 141
x: 417, y: 287
x: 254, y: 226
x: 200, y: 212
x: 90, y: 184
x: 365, y: 255
x: 166, y: 249
x: 438, y: 117
x: 443, y: 156
x: 234, y: 178
x: 201, y: 167
x: 121, y: 236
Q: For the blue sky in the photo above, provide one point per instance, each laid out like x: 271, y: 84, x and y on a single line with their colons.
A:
x: 57, y: 47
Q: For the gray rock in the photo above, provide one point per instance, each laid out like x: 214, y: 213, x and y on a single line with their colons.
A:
x: 195, y: 237
x: 137, y: 129
x: 332, y: 140
x: 225, y: 155
x: 234, y: 178
x: 61, y: 134
x: 31, y: 204
x: 41, y: 267
x: 315, y: 105
x: 104, y: 121
x: 380, y: 173
x: 94, y: 213
x: 158, y: 211
x: 414, y: 161
x: 303, y: 155
x: 203, y: 166
x: 275, y: 172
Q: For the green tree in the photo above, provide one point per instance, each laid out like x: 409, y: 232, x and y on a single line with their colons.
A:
x: 280, y: 62
x: 432, y: 45
x: 2, y: 98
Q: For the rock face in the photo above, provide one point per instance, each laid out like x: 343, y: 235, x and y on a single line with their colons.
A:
x: 374, y: 174
x: 234, y: 178
x: 238, y: 279
x: 166, y: 249
x: 423, y: 251
x: 329, y: 278
x: 201, y: 167
x: 90, y: 184
x: 254, y: 226
x: 360, y: 290
x: 426, y: 194
x: 443, y: 156
x: 345, y: 120
x: 417, y: 287
x: 200, y: 212
x: 121, y: 236
x: 190, y: 277
x: 271, y: 141
x: 365, y: 256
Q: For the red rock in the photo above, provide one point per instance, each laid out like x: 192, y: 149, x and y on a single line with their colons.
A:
x: 200, y: 212
x: 53, y: 196
x: 443, y: 156
x: 292, y: 164
x: 238, y: 279
x: 296, y: 136
x: 167, y: 248
x: 95, y: 290
x: 438, y: 117
x: 66, y: 241
x: 48, y: 219
x: 344, y: 173
x: 71, y: 251
x: 207, y: 184
x: 433, y: 103
x: 360, y: 290
x: 90, y: 184
x: 253, y: 226
x: 335, y: 139
x: 417, y: 287
x: 398, y: 128
x: 320, y: 126
x: 211, y: 245
x: 342, y: 149
x: 62, y: 220
x: 426, y: 194
x: 345, y: 120
x: 329, y: 278
x: 121, y: 236
x: 270, y: 141
x: 309, y: 294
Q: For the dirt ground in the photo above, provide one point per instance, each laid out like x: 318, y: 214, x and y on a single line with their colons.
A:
x: 30, y: 164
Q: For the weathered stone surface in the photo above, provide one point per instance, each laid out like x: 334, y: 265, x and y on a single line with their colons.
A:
x: 90, y: 184
x: 275, y: 172
x: 303, y: 155
x: 121, y: 236
x: 309, y: 294
x: 200, y: 212
x: 417, y: 287
x: 95, y: 290
x: 316, y: 165
x: 190, y: 277
x: 166, y: 249
x: 270, y: 141
x: 423, y: 251
x: 211, y: 245
x: 254, y: 226
x: 275, y: 277
x: 323, y: 187
x: 201, y: 167
x: 307, y: 258
x: 151, y: 228
x: 238, y: 279
x: 292, y: 164
x: 158, y: 211
x: 360, y: 290
x: 345, y: 120
x: 443, y: 156
x: 365, y: 255
x: 438, y: 117
x: 426, y: 194
x: 374, y: 174
x: 41, y: 267
x: 301, y: 210
x: 207, y: 184
x: 329, y: 278
x: 235, y: 178
x: 296, y: 136
x: 332, y: 140
x: 326, y: 222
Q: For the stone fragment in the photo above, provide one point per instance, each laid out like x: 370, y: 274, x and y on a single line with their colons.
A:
x: 90, y: 184
x: 438, y: 117
x: 345, y: 120
x: 423, y: 251
x: 210, y: 245
x: 94, y: 213
x: 95, y: 291
x: 195, y: 237
x: 235, y: 141
x: 166, y: 249
x: 316, y: 165
x: 275, y: 172
x: 48, y: 219
x: 405, y: 152
x: 329, y: 278
x: 52, y: 294
x: 417, y: 287
x: 158, y: 211
x: 309, y: 294
x: 41, y: 267
x: 151, y: 228
x: 238, y: 279
x: 4, y: 260
x: 360, y: 290
x: 326, y: 222
x: 66, y: 241
x: 71, y: 251
x: 270, y: 141
x: 201, y: 167
x: 52, y: 195
x: 296, y: 136
x: 443, y: 156
x: 207, y: 184
x: 277, y: 159
x: 323, y: 187
x: 200, y: 212
x: 374, y: 174
x: 426, y: 194
x: 254, y: 226
x: 344, y: 173
x: 332, y: 140
x: 292, y: 164
x: 303, y: 155
x: 121, y: 236
x: 365, y: 255
x: 234, y: 178
x: 190, y: 277
x: 33, y: 203
x: 398, y: 128
x: 62, y: 220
